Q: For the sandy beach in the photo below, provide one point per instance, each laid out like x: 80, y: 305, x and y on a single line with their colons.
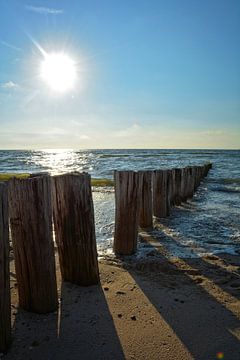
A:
x: 120, y: 173
x: 154, y: 307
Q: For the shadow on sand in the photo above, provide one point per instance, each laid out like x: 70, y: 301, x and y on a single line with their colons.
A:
x: 82, y: 328
x: 197, y: 311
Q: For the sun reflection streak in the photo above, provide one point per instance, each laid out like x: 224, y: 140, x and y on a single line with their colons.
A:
x: 59, y: 161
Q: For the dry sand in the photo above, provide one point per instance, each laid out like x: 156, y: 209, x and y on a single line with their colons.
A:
x: 150, y: 308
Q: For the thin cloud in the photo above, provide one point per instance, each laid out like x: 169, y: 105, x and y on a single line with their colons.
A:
x: 10, y: 85
x: 84, y: 137
x: 213, y: 133
x: 13, y: 47
x: 44, y: 10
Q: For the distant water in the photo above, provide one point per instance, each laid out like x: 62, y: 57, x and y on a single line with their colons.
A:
x: 210, y: 223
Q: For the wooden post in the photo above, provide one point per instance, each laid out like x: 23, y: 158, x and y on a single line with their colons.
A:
x: 170, y: 190
x: 195, y: 177
x: 183, y: 192
x: 146, y: 211
x: 5, y: 302
x: 189, y: 183
x: 30, y: 210
x: 173, y: 188
x: 198, y: 176
x: 177, y: 186
x: 160, y: 195
x: 206, y: 168
x: 74, y: 226
x: 127, y: 208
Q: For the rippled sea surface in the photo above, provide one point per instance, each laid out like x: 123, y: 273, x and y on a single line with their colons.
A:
x: 209, y: 223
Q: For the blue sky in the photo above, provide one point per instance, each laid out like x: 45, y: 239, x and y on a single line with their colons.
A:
x: 150, y: 74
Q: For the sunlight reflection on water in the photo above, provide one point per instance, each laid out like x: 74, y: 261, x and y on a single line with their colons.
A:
x: 60, y: 161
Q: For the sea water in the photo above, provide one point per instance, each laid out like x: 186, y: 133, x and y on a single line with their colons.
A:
x: 209, y: 223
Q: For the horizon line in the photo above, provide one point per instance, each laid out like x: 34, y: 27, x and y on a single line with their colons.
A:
x: 87, y: 149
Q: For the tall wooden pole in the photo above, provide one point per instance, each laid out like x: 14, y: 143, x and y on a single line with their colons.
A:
x: 30, y: 210
x: 127, y: 208
x: 74, y: 228
x: 184, y: 179
x: 191, y: 181
x: 177, y: 186
x: 5, y: 303
x: 160, y: 194
x: 146, y: 210
x: 170, y: 190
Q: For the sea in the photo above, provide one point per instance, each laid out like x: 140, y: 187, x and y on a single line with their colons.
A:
x: 207, y: 224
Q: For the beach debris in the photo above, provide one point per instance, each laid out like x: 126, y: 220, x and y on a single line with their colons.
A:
x: 120, y: 292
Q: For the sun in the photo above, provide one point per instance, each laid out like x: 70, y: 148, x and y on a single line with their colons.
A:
x: 58, y: 70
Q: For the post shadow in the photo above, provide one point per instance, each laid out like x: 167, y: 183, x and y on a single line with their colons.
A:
x: 82, y: 328
x: 86, y: 328
x: 31, y: 332
x: 34, y: 336
x: 198, y: 319
x: 227, y: 281
x: 230, y: 259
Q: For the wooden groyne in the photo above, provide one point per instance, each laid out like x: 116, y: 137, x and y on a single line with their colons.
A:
x: 159, y: 191
x: 35, y: 205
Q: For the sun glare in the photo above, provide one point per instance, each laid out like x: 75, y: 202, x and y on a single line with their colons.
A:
x: 58, y: 70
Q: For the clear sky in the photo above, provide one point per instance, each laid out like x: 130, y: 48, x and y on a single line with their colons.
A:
x: 149, y: 74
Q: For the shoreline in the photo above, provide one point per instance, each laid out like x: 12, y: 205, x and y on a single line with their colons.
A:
x: 148, y: 308
x: 175, y: 232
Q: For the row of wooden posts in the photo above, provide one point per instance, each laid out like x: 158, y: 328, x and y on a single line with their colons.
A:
x: 30, y: 205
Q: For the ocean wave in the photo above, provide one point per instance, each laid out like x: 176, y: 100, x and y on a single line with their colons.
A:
x: 226, y: 189
x: 224, y: 181
x: 232, y: 181
x: 107, y: 156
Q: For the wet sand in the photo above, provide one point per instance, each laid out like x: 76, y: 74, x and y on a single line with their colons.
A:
x: 154, y: 307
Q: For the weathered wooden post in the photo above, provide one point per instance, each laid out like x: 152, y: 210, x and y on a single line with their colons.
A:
x: 5, y: 303
x: 173, y: 189
x: 170, y: 190
x: 195, y: 177
x: 189, y: 183
x: 30, y: 210
x: 74, y: 226
x: 184, y: 178
x: 209, y: 166
x: 160, y: 194
x: 127, y: 209
x: 177, y: 186
x: 206, y: 168
x: 199, y: 178
x: 146, y: 211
